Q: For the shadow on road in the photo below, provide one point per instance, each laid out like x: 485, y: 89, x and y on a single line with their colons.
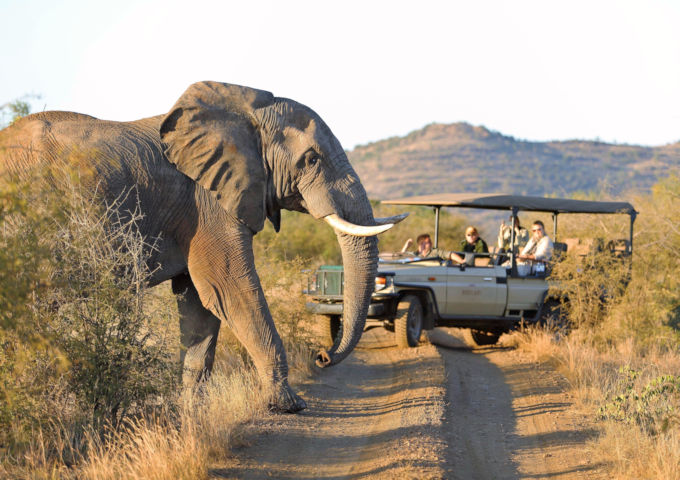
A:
x: 499, y: 417
x: 379, y: 414
x: 479, y: 416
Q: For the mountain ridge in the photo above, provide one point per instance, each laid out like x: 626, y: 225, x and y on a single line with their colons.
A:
x: 466, y: 158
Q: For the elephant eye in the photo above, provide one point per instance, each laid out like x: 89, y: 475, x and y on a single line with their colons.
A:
x: 312, y: 157
x: 308, y: 159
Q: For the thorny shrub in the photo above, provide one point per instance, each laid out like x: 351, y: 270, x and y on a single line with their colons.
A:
x: 94, y: 311
x: 653, y: 407
x: 590, y: 286
x: 77, y: 343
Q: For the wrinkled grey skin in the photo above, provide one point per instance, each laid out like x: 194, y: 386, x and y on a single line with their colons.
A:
x: 207, y: 175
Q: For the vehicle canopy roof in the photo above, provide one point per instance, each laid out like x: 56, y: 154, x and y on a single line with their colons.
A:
x: 495, y: 201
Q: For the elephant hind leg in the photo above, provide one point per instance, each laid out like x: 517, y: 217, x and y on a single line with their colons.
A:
x: 198, y: 331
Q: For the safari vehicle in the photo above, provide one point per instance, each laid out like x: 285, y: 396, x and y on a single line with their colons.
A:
x: 485, y: 294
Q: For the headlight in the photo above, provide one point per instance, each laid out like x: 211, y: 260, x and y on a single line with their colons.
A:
x: 382, y: 283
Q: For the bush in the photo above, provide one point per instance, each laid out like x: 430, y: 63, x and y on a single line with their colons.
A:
x: 79, y: 345
x: 591, y: 286
x: 11, y: 111
x: 93, y: 309
x: 653, y: 407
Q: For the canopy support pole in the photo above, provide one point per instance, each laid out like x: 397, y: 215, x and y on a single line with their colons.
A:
x: 436, y: 225
x: 513, y: 251
x: 632, y: 221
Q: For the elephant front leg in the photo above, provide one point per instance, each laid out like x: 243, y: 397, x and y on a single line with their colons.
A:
x: 198, y: 332
x: 228, y: 286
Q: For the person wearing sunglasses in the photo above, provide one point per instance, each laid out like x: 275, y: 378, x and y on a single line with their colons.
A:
x: 537, y: 251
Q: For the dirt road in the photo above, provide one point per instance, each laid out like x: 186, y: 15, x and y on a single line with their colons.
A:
x: 442, y: 410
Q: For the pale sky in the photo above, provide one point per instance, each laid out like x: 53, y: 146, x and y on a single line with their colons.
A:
x: 536, y: 70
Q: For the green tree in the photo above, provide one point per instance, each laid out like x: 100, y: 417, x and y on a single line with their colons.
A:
x: 15, y: 109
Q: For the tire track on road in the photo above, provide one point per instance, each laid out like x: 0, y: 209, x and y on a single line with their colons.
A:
x: 378, y: 414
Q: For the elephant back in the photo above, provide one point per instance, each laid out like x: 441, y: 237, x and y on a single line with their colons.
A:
x: 80, y: 141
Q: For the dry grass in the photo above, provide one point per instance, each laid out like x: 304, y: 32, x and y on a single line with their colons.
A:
x: 217, y: 413
x: 632, y: 449
x: 178, y: 443
x: 148, y: 451
x: 633, y: 454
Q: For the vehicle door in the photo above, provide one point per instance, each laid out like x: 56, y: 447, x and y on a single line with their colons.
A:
x: 427, y: 275
x: 476, y: 291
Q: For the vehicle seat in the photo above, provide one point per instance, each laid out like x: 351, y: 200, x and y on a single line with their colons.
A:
x: 572, y: 244
x: 482, y: 261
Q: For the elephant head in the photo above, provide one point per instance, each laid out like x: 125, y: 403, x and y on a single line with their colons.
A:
x: 258, y: 154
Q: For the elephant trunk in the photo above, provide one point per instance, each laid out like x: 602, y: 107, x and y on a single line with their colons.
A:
x: 360, y: 260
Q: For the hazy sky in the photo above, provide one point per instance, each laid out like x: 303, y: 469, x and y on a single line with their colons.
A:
x: 536, y: 70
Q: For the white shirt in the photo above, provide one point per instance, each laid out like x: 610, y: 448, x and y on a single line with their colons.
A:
x: 544, y: 248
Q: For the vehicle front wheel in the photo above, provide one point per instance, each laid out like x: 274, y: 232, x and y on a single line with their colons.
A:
x: 482, y: 338
x: 408, y: 325
x: 331, y: 329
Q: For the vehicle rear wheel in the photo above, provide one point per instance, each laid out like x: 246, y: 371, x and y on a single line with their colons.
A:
x: 408, y: 325
x: 482, y: 338
x: 331, y: 329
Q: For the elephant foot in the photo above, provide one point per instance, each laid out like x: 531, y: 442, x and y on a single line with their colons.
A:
x: 287, y: 401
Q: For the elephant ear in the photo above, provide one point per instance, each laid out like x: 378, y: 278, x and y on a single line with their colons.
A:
x: 211, y: 135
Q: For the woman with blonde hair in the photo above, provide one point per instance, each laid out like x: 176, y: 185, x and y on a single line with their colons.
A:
x: 472, y: 243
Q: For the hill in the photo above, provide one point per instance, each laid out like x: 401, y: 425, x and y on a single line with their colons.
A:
x: 462, y: 157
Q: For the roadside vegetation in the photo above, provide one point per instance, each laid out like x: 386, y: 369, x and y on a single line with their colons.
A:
x: 89, y: 373
x: 622, y: 353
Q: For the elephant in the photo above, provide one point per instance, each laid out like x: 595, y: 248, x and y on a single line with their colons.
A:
x: 206, y: 176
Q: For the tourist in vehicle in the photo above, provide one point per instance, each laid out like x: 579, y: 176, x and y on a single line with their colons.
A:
x: 537, y: 252
x: 505, y: 235
x: 472, y: 243
x: 425, y: 250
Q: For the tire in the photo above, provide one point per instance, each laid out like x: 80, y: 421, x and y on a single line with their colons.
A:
x: 408, y: 325
x: 331, y: 329
x: 482, y: 338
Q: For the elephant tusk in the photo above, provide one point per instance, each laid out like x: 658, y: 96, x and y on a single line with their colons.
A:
x: 393, y: 220
x: 344, y: 226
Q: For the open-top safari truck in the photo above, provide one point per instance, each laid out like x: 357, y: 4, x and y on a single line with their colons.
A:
x: 486, y: 293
